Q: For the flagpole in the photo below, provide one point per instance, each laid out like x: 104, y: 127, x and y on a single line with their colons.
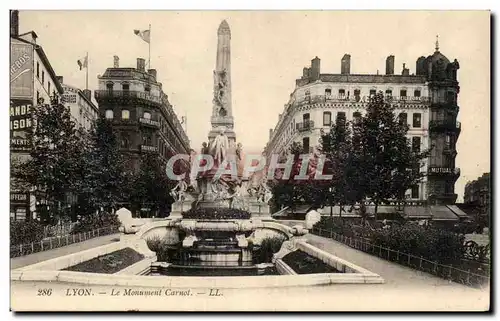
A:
x: 149, y: 57
x: 87, y: 73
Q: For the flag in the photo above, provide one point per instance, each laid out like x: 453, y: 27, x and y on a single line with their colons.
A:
x: 143, y: 34
x: 83, y: 62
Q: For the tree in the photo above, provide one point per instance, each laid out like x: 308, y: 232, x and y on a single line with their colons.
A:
x: 151, y: 186
x: 101, y: 171
x: 343, y: 159
x: 54, y: 156
x: 291, y: 191
x: 389, y: 164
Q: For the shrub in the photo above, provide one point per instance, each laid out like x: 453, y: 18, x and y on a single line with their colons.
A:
x: 22, y: 232
x: 95, y: 221
x: 216, y: 214
x: 268, y: 246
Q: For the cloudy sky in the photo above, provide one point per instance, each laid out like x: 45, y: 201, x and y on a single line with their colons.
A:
x: 269, y: 50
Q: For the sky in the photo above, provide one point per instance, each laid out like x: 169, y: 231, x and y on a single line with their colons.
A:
x: 268, y: 51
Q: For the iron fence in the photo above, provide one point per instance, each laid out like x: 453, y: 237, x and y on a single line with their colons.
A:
x: 59, y: 229
x: 59, y: 241
x: 449, y: 272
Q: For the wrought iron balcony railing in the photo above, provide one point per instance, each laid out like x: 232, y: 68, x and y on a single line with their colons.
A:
x: 305, y: 126
x: 126, y: 94
x: 149, y: 122
x: 356, y: 98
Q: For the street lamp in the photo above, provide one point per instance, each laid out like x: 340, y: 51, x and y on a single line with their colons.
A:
x: 331, y: 189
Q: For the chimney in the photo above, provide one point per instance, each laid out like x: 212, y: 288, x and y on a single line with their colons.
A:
x: 420, y: 70
x: 345, y: 65
x: 305, y: 72
x: 60, y: 79
x: 315, y: 68
x: 389, y: 65
x: 406, y: 71
x: 116, y: 62
x: 14, y: 23
x: 152, y: 72
x: 87, y: 93
x: 141, y: 64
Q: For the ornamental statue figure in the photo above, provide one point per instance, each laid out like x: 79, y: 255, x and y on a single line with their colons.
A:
x: 219, y: 146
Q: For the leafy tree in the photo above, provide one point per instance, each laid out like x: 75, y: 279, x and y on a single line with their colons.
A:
x: 101, y: 171
x: 343, y: 159
x: 151, y: 186
x: 55, y: 153
x: 291, y: 191
x: 389, y: 164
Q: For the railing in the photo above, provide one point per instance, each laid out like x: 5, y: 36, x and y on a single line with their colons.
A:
x: 147, y: 148
x: 108, y: 94
x: 59, y: 241
x: 149, y: 122
x: 58, y: 229
x: 444, y: 124
x: 304, y: 126
x: 355, y: 98
x: 444, y: 271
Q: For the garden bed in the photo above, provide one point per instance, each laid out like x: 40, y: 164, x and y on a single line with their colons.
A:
x: 109, y: 263
x: 303, y: 263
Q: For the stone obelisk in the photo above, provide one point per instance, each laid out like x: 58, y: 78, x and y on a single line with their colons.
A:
x: 222, y: 111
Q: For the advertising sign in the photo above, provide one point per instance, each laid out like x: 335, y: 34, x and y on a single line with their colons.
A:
x: 21, y: 70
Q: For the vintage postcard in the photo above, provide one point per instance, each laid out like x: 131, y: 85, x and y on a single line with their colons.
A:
x: 250, y: 160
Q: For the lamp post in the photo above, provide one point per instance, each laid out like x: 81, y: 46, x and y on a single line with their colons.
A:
x: 330, y: 190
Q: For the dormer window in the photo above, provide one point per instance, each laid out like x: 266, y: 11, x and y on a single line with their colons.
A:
x: 417, y: 93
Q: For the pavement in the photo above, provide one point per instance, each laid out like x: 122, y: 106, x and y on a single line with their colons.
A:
x: 61, y: 251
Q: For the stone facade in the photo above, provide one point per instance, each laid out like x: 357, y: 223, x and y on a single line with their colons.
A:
x: 427, y: 100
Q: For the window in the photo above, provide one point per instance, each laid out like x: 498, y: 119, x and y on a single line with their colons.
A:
x: 43, y: 78
x: 414, y: 191
x: 417, y: 120
x: 308, y: 94
x: 125, y: 141
x: 450, y: 98
x: 415, y: 144
x: 147, y: 88
x: 448, y: 141
x: 37, y: 70
x: 388, y: 92
x: 147, y: 139
x: 109, y: 114
x: 357, y: 117
x: 125, y: 87
x: 357, y: 94
x: 327, y: 118
x: 48, y: 87
x: 125, y: 114
x: 147, y: 115
x: 305, y: 144
x: 372, y: 92
x: 328, y: 92
x: 37, y: 96
x: 403, y: 119
x: 341, y: 93
x: 109, y: 87
x: 306, y: 117
x: 416, y: 93
x: 402, y: 93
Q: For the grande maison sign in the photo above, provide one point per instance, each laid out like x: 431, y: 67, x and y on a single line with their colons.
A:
x: 20, y: 117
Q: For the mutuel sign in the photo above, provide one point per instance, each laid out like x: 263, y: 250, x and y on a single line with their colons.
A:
x: 21, y: 70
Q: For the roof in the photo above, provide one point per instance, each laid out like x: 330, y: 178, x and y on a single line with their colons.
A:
x: 366, y: 78
x: 457, y: 211
x: 80, y: 92
x: 442, y: 213
x: 417, y: 212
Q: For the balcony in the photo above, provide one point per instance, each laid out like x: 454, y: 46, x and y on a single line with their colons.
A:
x: 149, y: 123
x: 444, y: 171
x: 438, y: 125
x: 305, y: 126
x: 149, y: 149
x: 359, y: 99
x: 125, y: 96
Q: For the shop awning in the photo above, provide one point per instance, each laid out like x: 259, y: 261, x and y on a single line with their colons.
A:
x: 442, y: 213
x: 457, y: 211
